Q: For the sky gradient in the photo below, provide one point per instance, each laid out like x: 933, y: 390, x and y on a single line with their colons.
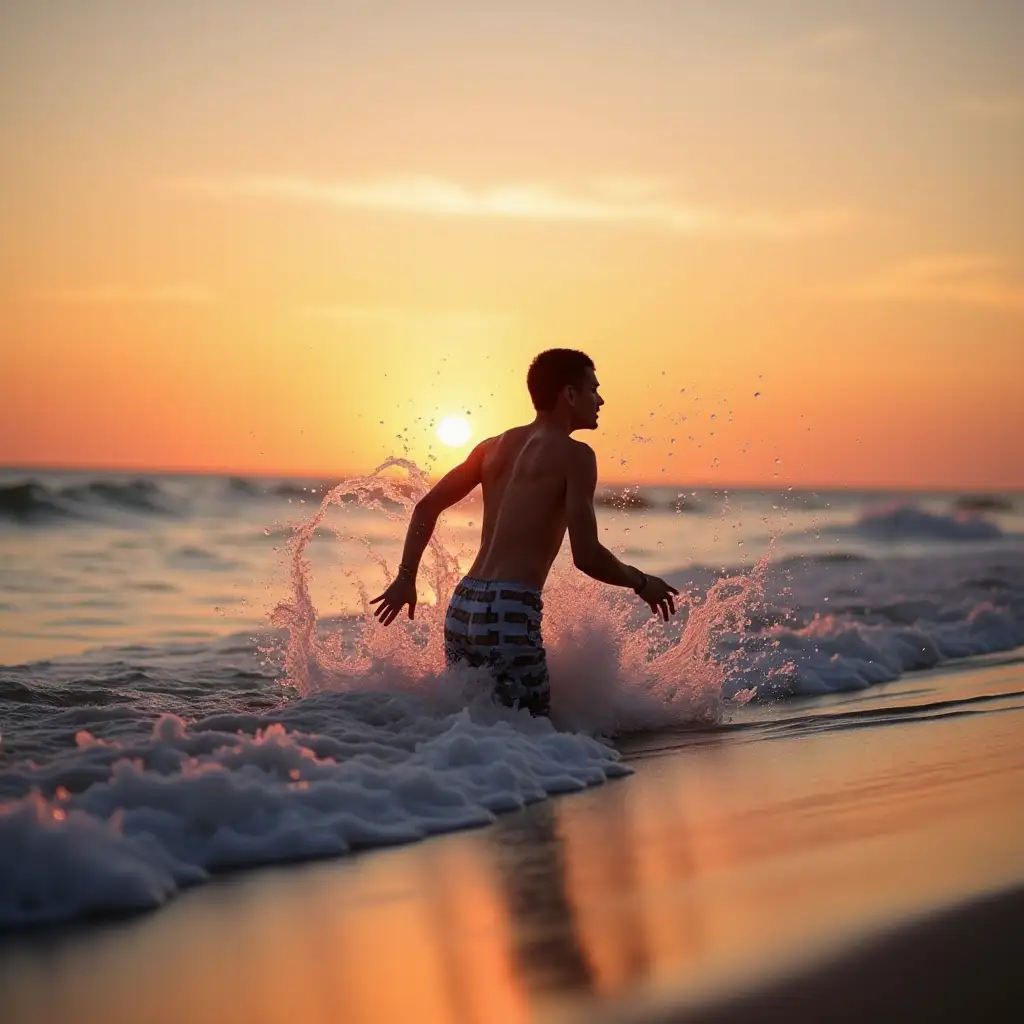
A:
x: 256, y: 237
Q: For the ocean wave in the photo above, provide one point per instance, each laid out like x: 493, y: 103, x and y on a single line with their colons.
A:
x: 983, y: 503
x: 115, y: 827
x: 830, y: 627
x: 34, y: 502
x: 909, y: 523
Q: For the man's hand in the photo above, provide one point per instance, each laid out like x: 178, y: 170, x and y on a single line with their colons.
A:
x: 402, y: 592
x: 658, y: 596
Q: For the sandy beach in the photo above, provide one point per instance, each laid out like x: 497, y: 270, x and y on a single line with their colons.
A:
x: 804, y: 834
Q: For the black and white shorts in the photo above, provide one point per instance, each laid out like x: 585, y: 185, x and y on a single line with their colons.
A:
x: 496, y: 624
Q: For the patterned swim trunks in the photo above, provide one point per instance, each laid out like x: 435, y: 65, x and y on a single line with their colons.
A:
x: 496, y: 624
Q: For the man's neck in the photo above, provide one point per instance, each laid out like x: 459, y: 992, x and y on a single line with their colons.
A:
x: 555, y: 419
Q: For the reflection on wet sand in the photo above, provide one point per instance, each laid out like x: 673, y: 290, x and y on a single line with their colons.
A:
x: 725, y: 855
x: 545, y: 944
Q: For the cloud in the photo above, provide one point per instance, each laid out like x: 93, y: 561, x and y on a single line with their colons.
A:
x: 405, y: 320
x: 118, y: 294
x: 992, y: 109
x: 831, y: 38
x: 615, y: 203
x: 972, y: 279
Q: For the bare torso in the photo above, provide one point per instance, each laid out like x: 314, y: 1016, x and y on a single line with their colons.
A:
x: 524, y: 487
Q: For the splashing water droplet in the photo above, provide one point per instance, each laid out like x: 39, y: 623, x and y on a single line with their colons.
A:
x: 609, y: 671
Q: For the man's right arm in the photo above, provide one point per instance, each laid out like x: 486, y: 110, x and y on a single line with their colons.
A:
x: 588, y: 553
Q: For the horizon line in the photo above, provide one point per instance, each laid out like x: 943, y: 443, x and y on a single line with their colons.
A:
x: 321, y: 476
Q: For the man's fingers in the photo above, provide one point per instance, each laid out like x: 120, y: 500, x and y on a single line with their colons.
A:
x: 673, y: 589
x: 379, y: 597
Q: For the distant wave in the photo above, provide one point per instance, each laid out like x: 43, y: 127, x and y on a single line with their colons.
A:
x: 835, y: 626
x: 983, y: 503
x: 35, y: 502
x: 907, y: 523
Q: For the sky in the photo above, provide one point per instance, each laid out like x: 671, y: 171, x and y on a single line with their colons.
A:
x: 246, y: 236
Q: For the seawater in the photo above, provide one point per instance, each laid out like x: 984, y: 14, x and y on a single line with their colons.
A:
x: 194, y: 682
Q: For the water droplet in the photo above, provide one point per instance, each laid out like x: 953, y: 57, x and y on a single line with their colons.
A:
x: 757, y: 394
x: 778, y: 462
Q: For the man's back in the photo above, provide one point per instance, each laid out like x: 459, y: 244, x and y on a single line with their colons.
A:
x: 524, y: 486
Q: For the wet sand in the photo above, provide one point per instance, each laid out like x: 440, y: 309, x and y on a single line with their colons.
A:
x: 734, y: 861
x: 960, y: 965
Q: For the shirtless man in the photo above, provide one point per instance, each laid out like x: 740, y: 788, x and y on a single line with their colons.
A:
x: 537, y: 482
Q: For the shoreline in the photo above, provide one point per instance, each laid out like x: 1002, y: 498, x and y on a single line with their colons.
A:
x: 957, y: 963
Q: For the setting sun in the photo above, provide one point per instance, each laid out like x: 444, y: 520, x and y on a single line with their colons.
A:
x: 454, y: 431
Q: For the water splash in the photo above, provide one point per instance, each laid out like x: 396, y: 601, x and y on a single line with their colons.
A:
x: 614, y: 667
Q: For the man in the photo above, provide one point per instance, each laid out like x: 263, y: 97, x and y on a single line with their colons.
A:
x: 537, y: 482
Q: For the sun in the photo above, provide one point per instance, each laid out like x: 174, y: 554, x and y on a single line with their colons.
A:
x: 454, y: 431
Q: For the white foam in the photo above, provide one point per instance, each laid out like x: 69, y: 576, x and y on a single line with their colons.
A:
x: 851, y: 625
x: 163, y: 813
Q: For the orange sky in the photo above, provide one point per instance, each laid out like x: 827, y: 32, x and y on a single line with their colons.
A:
x: 273, y: 238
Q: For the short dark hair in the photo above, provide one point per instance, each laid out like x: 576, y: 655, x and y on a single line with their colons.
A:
x: 553, y: 370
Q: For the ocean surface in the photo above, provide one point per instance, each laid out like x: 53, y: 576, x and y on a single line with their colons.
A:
x: 191, y: 682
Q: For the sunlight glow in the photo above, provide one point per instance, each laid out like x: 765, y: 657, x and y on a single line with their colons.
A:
x: 454, y: 431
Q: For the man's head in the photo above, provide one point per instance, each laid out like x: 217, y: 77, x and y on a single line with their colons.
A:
x: 564, y: 379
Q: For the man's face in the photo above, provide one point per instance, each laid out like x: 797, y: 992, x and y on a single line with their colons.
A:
x: 587, y: 402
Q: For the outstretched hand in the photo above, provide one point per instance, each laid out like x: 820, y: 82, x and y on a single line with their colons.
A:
x: 657, y: 595
x: 402, y: 592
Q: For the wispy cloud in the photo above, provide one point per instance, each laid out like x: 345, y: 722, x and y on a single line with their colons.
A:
x: 404, y: 317
x: 119, y: 294
x: 992, y: 109
x: 832, y: 38
x: 638, y: 204
x: 973, y: 279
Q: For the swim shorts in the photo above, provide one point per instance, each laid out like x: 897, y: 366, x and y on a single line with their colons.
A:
x: 496, y: 624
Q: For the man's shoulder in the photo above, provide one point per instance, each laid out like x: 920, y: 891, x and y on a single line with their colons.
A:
x: 579, y: 455
x: 580, y: 449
